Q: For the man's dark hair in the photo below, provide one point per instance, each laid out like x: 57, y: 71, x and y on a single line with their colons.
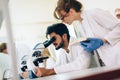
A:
x: 58, y: 28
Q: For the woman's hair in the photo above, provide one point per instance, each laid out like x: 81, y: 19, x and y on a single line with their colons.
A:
x: 66, y: 5
x: 3, y: 46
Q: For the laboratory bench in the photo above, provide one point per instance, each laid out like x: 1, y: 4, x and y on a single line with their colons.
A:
x: 99, y: 73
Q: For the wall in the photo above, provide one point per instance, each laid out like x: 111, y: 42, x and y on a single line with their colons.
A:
x: 109, y: 5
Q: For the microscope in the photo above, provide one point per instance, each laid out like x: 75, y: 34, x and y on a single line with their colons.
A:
x: 38, y: 49
x: 24, y: 67
x: 24, y: 63
x: 39, y: 59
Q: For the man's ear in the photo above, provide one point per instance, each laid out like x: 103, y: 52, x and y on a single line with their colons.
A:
x: 64, y: 36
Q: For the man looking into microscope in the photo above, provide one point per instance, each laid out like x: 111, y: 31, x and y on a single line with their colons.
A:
x: 72, y: 57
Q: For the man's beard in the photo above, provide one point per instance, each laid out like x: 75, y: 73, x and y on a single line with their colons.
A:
x: 60, y: 46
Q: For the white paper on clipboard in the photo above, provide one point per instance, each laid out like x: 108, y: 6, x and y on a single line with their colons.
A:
x: 78, y: 41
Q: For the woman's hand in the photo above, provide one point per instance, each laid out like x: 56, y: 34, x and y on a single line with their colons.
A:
x: 92, y: 44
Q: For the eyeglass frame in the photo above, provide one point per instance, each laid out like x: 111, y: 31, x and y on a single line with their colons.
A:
x: 62, y: 17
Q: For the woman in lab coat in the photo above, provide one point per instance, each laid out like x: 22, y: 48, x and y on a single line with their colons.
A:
x: 101, y: 29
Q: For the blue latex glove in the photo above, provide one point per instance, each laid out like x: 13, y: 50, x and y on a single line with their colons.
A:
x: 91, y: 44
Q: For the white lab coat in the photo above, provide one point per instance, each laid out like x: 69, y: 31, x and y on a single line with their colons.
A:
x: 76, y: 59
x: 101, y: 24
x: 4, y: 64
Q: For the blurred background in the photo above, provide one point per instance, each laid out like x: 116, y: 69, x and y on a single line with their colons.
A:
x: 30, y: 18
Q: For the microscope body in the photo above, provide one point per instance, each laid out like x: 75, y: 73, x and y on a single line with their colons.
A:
x: 39, y: 59
x: 24, y: 66
x: 24, y: 70
x: 38, y: 49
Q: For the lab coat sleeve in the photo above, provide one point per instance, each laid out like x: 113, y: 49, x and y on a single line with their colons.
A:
x: 114, y: 36
x: 109, y: 22
x: 81, y: 61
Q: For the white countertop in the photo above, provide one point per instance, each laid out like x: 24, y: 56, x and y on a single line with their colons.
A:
x: 77, y: 74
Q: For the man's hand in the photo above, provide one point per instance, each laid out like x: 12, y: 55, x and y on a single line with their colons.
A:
x: 40, y: 72
x: 25, y: 74
x: 92, y: 44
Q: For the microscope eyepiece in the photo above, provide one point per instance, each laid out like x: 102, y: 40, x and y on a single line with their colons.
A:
x: 48, y: 42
